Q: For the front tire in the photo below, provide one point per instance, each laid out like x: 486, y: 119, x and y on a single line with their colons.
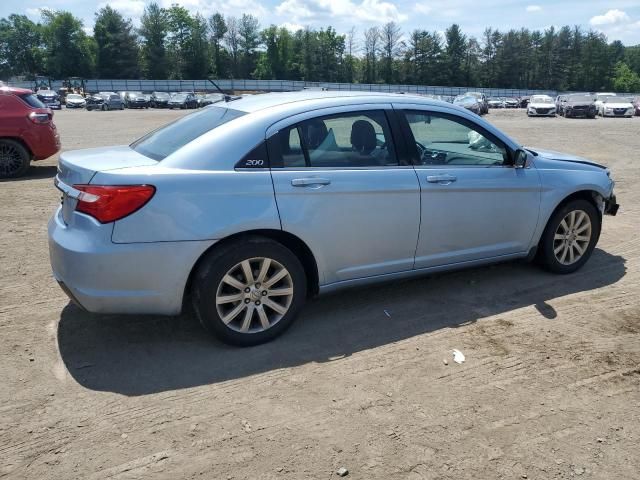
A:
x: 570, y: 237
x: 249, y: 292
x: 14, y: 159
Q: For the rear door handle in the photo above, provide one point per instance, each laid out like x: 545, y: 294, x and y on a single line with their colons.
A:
x: 445, y: 179
x: 310, y: 182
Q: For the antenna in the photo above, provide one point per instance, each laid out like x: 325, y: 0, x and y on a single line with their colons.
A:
x: 227, y: 97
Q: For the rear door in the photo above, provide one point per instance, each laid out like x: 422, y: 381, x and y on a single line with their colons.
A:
x: 344, y: 186
x: 475, y: 205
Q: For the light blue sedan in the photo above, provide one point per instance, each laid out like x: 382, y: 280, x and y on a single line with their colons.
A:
x: 249, y: 207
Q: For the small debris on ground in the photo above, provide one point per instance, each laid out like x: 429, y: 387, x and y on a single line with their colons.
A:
x: 247, y: 426
x: 445, y: 361
x: 342, y: 472
x: 458, y: 356
x: 578, y: 470
x: 387, y: 314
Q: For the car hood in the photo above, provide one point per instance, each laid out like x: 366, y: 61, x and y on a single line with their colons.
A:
x: 542, y: 105
x: 553, y: 156
x: 617, y: 105
x: 578, y: 103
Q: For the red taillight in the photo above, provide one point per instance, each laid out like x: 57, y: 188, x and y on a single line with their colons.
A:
x: 40, y: 118
x: 108, y: 203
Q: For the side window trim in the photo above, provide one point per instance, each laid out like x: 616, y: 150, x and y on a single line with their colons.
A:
x: 411, y: 142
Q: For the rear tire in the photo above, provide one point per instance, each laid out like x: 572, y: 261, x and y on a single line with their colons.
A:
x: 14, y: 159
x: 242, y: 311
x: 569, y: 237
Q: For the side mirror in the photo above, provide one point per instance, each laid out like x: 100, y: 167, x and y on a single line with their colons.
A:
x: 521, y: 159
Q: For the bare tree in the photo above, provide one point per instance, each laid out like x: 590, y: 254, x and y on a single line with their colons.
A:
x: 371, y: 50
x: 391, y: 36
x: 232, y: 40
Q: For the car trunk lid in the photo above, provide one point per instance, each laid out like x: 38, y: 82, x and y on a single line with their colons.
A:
x: 79, y: 167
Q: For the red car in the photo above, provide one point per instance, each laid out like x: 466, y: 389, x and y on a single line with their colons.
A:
x: 27, y: 131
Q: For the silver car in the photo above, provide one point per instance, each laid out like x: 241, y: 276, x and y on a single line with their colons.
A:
x: 249, y: 207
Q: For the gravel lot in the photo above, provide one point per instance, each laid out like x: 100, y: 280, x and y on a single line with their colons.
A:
x: 550, y: 388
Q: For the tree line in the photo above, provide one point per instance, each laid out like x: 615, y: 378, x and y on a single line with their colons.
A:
x: 173, y: 43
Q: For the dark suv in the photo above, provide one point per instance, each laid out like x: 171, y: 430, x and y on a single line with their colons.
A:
x: 27, y: 131
x: 50, y: 99
x: 136, y: 100
x: 105, y: 101
x: 160, y: 99
x: 579, y: 106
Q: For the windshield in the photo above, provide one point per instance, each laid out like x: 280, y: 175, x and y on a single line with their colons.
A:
x: 179, y: 96
x: 580, y: 98
x: 161, y: 143
x: 541, y: 100
x: 31, y: 100
x: 74, y: 96
x: 46, y: 93
x: 464, y: 99
x: 160, y: 95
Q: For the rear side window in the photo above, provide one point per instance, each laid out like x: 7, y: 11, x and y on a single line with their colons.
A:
x: 161, y: 143
x: 31, y: 100
x: 358, y: 139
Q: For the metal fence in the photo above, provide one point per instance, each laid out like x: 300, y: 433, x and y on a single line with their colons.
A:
x: 107, y: 85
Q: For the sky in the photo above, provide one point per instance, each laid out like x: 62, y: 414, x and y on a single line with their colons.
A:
x: 619, y: 20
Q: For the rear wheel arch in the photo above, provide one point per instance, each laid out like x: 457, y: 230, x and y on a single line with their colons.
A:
x: 298, y: 247
x: 21, y: 142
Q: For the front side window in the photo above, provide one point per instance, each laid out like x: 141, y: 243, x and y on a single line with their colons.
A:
x: 356, y: 139
x: 443, y: 140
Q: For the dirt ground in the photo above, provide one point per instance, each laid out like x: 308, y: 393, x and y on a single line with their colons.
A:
x: 550, y: 388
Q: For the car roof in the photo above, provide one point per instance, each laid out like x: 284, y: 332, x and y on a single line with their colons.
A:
x: 15, y: 90
x: 318, y: 98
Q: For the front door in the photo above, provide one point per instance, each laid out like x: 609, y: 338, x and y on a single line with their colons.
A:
x: 475, y: 205
x: 344, y: 188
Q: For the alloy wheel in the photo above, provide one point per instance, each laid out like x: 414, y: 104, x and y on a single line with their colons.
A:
x: 254, y: 295
x: 572, y: 237
x: 10, y: 160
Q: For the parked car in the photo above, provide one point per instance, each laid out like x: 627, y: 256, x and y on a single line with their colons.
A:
x: 560, y: 100
x: 27, y: 131
x: 496, y: 102
x: 135, y: 100
x: 247, y: 193
x: 160, y: 100
x: 105, y: 101
x: 617, y: 107
x: 50, y: 98
x: 469, y: 102
x: 183, y: 100
x: 75, y: 100
x: 511, y: 102
x: 579, y: 106
x: 600, y: 99
x: 636, y: 105
x: 541, y: 106
x: 210, y: 99
x: 482, y: 100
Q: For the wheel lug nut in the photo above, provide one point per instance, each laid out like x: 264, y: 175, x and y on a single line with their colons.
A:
x: 247, y: 290
x: 257, y: 302
x: 264, y: 293
x: 246, y: 300
x: 257, y: 285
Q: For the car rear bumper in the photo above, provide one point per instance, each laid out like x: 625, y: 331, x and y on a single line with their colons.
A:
x: 131, y: 278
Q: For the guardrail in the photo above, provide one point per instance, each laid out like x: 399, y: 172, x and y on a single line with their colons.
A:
x: 112, y: 85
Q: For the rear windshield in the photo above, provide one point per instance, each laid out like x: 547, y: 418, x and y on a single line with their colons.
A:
x: 32, y: 100
x: 161, y: 143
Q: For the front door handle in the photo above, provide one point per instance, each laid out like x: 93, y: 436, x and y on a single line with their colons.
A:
x: 310, y: 182
x: 445, y: 179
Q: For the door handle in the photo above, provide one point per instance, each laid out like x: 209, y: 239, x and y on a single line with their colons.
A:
x: 445, y: 179
x: 310, y: 182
